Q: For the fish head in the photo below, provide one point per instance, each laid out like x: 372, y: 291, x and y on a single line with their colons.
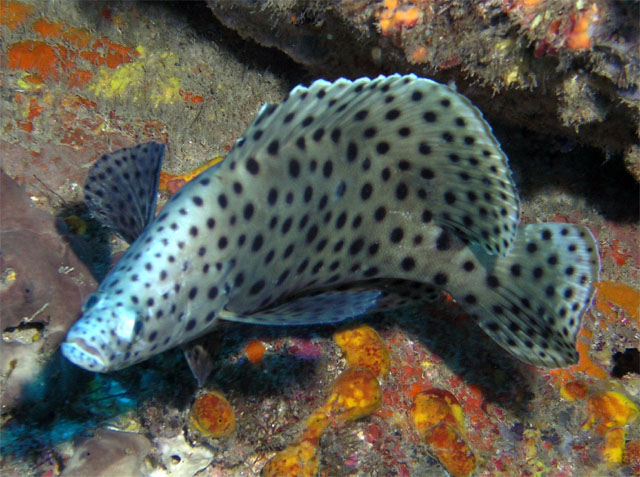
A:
x: 106, y: 337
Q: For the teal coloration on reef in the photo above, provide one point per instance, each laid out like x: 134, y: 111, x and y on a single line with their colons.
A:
x: 346, y: 198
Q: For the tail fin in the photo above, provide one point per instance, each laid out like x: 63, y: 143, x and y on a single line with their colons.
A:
x: 535, y: 296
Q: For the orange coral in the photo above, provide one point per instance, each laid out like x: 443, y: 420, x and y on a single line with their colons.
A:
x: 437, y: 416
x: 618, y: 294
x: 433, y: 407
x: 299, y: 460
x: 579, y: 37
x: 14, y: 14
x: 315, y: 426
x: 212, y: 415
x: 608, y: 410
x: 363, y: 347
x: 354, y: 394
x: 573, y: 390
x: 452, y: 451
x: 393, y: 17
x: 173, y: 182
x: 584, y: 365
x: 614, y: 445
x: 254, y: 350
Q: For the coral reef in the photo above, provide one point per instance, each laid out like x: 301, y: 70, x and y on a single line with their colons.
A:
x: 558, y: 82
x: 561, y: 67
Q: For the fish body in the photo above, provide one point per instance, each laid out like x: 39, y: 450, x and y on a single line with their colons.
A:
x: 348, y: 197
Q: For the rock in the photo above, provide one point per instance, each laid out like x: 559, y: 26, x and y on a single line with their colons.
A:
x: 42, y: 287
x: 109, y: 454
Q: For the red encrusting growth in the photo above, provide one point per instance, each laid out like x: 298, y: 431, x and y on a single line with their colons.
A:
x: 255, y: 350
x: 212, y: 415
x: 14, y: 14
x: 438, y: 418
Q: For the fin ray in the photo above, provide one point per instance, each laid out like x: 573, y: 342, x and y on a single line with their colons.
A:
x: 536, y: 296
x: 121, y: 188
x: 449, y: 151
x: 329, y: 307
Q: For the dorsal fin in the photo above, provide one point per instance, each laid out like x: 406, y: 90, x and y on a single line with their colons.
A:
x: 428, y: 137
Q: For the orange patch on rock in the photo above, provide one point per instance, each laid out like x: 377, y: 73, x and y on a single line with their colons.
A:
x: 114, y: 53
x: 608, y: 410
x: 618, y: 294
x: 173, y: 182
x: 584, y: 365
x: 579, y: 38
x: 80, y: 78
x: 47, y: 29
x: 419, y: 55
x: 77, y: 36
x: 354, y: 394
x: 191, y: 97
x: 36, y: 57
x: 212, y: 415
x: 298, y: 460
x: 363, y: 347
x: 76, y: 138
x: 14, y: 14
x: 620, y: 255
x: 74, y: 101
x: 394, y: 17
x: 34, y: 79
x: 573, y: 390
x: 437, y: 416
x: 254, y: 350
x: 34, y: 109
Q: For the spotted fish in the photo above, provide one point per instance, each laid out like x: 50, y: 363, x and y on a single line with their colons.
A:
x: 341, y: 200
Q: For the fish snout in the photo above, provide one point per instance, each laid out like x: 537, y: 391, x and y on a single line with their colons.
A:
x: 83, y: 354
x: 87, y: 350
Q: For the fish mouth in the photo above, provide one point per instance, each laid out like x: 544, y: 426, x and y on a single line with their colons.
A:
x: 80, y: 353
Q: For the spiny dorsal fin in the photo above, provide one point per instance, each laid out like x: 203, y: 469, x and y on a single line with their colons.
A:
x: 121, y: 188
